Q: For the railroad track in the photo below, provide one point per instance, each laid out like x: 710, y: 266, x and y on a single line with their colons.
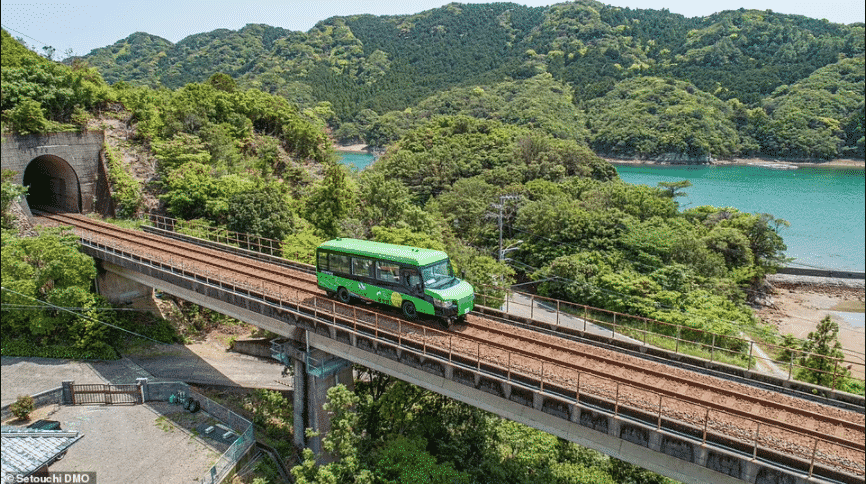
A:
x: 708, y: 391
x: 565, y: 365
x: 231, y: 266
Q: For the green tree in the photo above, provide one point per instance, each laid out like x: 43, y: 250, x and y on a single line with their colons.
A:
x: 182, y: 148
x: 49, y: 268
x: 301, y: 245
x: 405, y: 236
x: 331, y: 200
x: 404, y: 460
x: 675, y: 189
x: 223, y: 82
x: 824, y: 352
x: 188, y: 190
x: 342, y: 442
x: 27, y: 118
x: 264, y: 211
x: 22, y: 407
x: 624, y: 473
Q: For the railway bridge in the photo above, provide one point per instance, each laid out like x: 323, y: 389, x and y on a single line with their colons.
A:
x: 694, y: 436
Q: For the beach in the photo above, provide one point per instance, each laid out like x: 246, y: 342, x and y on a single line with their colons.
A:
x: 799, y: 303
x: 765, y: 162
x: 355, y: 148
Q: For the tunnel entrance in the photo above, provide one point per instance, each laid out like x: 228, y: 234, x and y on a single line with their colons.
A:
x: 53, y: 184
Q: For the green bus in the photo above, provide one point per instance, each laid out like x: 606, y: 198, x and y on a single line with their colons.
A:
x: 412, y: 279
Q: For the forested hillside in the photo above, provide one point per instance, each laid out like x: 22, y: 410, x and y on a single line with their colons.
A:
x: 372, y: 69
x: 481, y: 108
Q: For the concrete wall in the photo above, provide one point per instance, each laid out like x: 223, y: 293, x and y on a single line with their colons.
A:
x: 79, y: 150
x: 260, y: 347
x: 801, y: 271
x: 48, y: 397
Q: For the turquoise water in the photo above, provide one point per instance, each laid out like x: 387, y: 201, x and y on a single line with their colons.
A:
x: 356, y: 161
x: 825, y: 205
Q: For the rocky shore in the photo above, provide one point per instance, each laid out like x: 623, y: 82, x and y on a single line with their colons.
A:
x: 830, y: 284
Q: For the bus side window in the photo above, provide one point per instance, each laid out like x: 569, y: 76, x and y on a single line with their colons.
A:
x: 340, y: 263
x: 387, y: 272
x: 362, y: 267
x: 323, y: 261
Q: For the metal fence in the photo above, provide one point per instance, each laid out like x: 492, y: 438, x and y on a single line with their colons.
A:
x: 229, y: 459
x: 87, y: 393
x: 729, y: 349
x: 521, y: 371
x: 219, y: 235
x: 736, y: 350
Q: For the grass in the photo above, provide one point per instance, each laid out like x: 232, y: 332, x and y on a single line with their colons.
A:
x: 164, y: 424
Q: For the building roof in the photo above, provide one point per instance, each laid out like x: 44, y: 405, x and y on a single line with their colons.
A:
x: 26, y: 450
x: 397, y: 253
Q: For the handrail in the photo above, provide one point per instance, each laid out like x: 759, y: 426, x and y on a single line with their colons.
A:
x: 837, y: 374
x: 678, y: 332
x: 276, y: 296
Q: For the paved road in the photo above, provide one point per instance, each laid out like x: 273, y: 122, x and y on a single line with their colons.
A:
x: 138, y: 444
x: 201, y: 363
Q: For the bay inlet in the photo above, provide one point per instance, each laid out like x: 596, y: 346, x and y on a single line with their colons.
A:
x: 826, y: 206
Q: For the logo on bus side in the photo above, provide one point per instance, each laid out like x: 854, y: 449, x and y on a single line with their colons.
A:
x: 396, y: 299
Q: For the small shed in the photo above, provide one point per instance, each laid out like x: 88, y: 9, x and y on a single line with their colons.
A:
x: 29, y: 451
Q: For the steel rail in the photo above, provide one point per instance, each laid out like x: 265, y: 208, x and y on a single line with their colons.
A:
x: 106, y: 229
x: 378, y: 330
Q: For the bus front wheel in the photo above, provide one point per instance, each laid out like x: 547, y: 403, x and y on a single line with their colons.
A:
x: 409, y: 310
x: 343, y: 295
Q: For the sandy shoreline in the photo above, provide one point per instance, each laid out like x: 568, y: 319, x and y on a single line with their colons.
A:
x: 764, y: 162
x: 356, y: 148
x: 799, y: 303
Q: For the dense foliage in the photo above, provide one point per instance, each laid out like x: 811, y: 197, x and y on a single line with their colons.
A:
x: 387, y: 431
x: 738, y: 66
x: 50, y: 271
x: 649, y: 116
x: 488, y: 112
x: 39, y: 95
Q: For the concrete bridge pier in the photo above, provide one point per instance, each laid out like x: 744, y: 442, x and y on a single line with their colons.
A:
x: 315, y: 373
x: 121, y: 290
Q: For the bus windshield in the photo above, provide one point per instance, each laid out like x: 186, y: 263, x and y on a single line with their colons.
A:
x: 438, y: 275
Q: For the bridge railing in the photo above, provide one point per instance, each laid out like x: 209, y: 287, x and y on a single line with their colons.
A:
x: 220, y: 235
x: 703, y: 421
x: 828, y: 371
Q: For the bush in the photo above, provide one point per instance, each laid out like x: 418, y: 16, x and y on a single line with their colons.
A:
x: 17, y: 347
x: 23, y: 407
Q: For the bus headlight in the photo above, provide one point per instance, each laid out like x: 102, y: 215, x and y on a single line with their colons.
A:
x: 443, y: 304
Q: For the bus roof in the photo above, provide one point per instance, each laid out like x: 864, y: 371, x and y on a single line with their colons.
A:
x: 395, y: 253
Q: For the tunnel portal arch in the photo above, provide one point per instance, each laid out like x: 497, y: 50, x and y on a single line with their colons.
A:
x: 52, y: 184
x: 64, y: 170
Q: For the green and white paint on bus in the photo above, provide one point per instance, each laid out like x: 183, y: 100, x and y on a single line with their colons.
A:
x: 418, y: 281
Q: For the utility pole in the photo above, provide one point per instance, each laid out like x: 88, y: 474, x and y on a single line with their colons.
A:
x: 502, y: 199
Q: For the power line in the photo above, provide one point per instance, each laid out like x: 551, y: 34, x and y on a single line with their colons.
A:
x: 21, y: 307
x: 25, y: 35
x: 81, y: 315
